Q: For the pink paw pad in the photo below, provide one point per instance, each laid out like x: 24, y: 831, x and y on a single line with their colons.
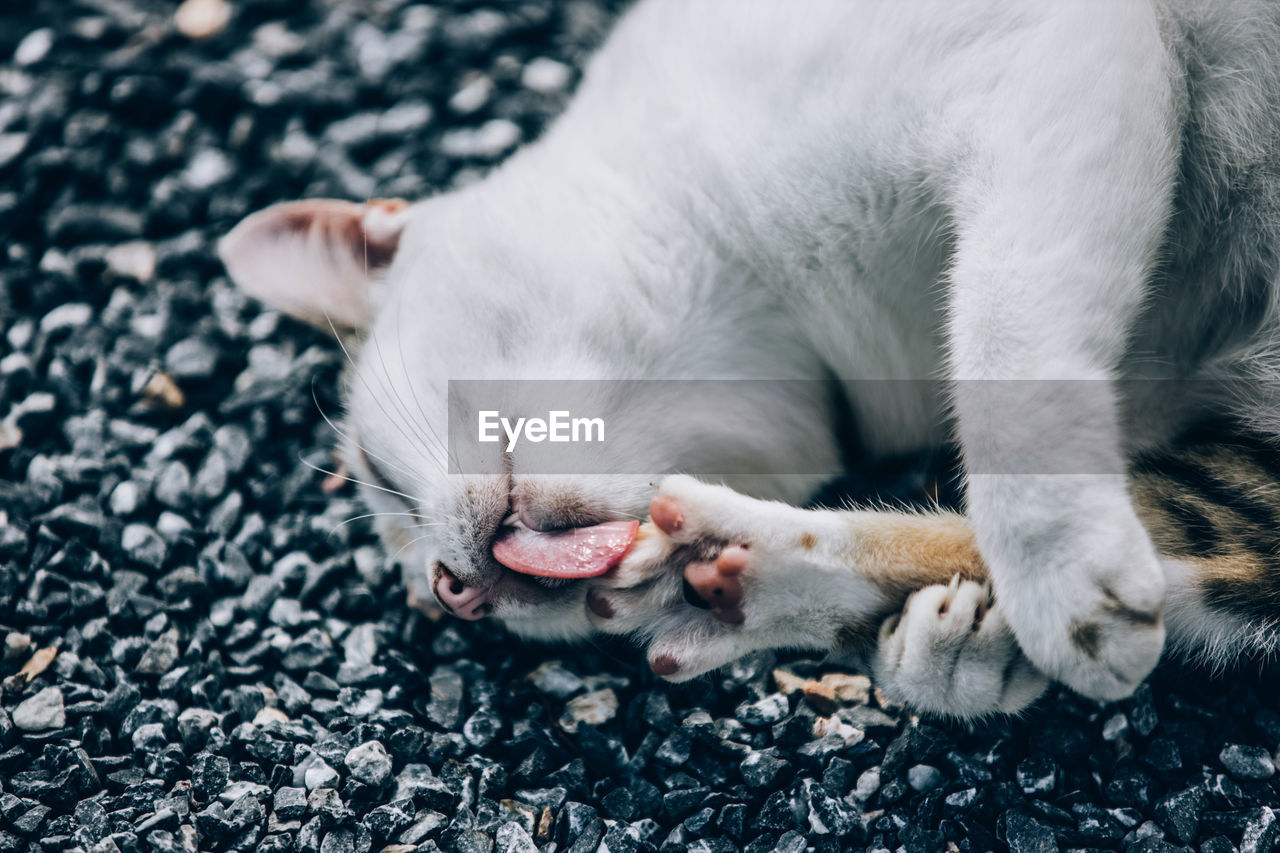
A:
x: 719, y: 583
x: 666, y: 513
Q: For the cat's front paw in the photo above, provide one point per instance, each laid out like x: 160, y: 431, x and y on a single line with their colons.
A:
x: 1086, y: 607
x: 950, y: 652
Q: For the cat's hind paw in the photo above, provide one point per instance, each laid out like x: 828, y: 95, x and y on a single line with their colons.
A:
x: 712, y: 577
x: 950, y: 652
x: 717, y: 584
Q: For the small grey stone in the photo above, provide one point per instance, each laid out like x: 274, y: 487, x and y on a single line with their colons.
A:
x: 340, y: 840
x: 173, y: 486
x: 261, y: 593
x: 482, y: 727
x: 1025, y: 835
x: 34, y: 46
x: 320, y: 775
x: 1247, y: 762
x: 207, y: 168
x: 387, y: 820
x: 444, y: 707
x: 360, y: 646
x: 135, y: 259
x: 925, y: 777
x: 546, y: 76
x: 191, y: 358
x: 11, y: 147
x: 405, y: 119
x: 327, y: 803
x: 286, y: 612
x: 761, y: 769
x: 233, y: 792
x: 42, y: 711
x: 1037, y: 775
x: 70, y: 315
x: 512, y: 838
x: 310, y: 651
x: 485, y: 142
x: 555, y: 680
x: 369, y: 763
x: 474, y: 94
x: 211, y: 478
x: 1260, y: 831
x: 1179, y: 813
x: 765, y: 712
x: 144, y: 545
x: 124, y: 498
x: 425, y: 823
x: 594, y: 709
x: 161, y: 655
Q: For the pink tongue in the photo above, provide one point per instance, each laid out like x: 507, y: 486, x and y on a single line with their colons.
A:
x: 578, y: 552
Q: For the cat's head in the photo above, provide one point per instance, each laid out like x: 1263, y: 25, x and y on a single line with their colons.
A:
x: 476, y: 286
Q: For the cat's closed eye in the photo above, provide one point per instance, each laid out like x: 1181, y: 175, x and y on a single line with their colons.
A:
x: 376, y: 477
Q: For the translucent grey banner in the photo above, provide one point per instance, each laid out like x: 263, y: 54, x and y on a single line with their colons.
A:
x: 747, y: 428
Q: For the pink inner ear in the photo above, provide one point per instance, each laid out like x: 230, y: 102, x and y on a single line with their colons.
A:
x: 316, y: 259
x: 368, y: 232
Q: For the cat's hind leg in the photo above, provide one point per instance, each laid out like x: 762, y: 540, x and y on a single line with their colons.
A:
x: 781, y: 596
x: 717, y: 575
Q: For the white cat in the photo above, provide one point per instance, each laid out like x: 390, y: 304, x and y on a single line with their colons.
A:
x: 972, y: 191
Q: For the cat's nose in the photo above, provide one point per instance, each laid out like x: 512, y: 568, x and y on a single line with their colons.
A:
x: 461, y: 599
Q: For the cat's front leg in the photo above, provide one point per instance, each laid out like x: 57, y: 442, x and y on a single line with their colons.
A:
x: 716, y: 575
x: 1065, y: 191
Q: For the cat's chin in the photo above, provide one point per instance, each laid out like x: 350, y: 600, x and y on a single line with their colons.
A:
x: 540, y: 608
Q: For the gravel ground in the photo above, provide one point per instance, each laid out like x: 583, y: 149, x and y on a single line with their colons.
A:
x: 199, y: 654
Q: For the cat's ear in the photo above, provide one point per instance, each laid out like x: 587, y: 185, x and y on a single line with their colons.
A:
x: 317, y: 260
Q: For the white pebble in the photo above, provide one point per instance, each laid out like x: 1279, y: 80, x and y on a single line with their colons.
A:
x: 135, y: 259
x: 33, y: 47
x: 15, y: 362
x: 124, y: 497
x: 546, y: 76
x: 208, y: 168
x: 42, y: 711
x: 594, y: 709
x: 489, y: 140
x: 320, y: 775
x: 201, y: 19
x: 277, y: 41
x: 70, y: 315
x: 369, y: 763
x: 471, y: 97
x: 11, y: 146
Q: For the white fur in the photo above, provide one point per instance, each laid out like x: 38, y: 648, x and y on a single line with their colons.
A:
x: 971, y: 190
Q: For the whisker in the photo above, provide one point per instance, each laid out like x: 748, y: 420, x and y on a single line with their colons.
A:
x: 408, y: 544
x: 404, y: 415
x: 363, y: 381
x: 351, y: 438
x: 450, y: 455
x: 356, y: 518
x: 350, y: 479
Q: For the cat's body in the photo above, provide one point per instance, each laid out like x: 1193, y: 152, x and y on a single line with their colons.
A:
x: 978, y: 192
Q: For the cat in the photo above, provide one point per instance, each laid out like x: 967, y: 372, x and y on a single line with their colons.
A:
x: 1058, y: 210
